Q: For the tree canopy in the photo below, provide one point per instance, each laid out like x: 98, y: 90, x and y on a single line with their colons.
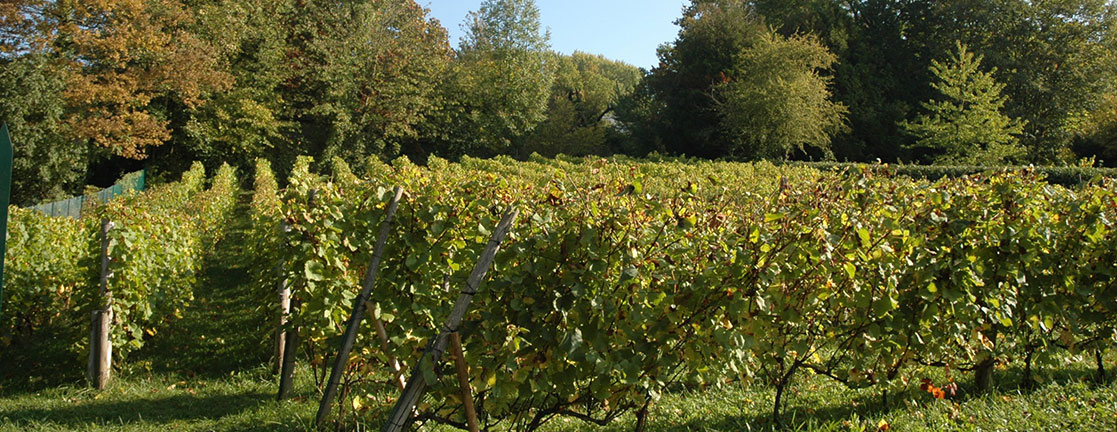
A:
x: 731, y: 86
x: 500, y: 80
x: 966, y: 126
x: 96, y: 88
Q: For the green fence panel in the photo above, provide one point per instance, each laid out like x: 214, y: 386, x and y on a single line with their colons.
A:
x: 72, y: 207
x: 5, y: 199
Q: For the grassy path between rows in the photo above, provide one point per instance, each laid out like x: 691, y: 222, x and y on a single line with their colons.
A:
x: 208, y: 371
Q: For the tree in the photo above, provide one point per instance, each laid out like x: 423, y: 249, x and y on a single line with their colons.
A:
x: 877, y: 76
x: 1056, y: 60
x: 967, y: 126
x: 363, y: 75
x: 775, y: 101
x: 1098, y: 132
x: 1056, y: 57
x: 500, y: 80
x: 47, y: 164
x: 134, y: 63
x: 731, y: 86
x: 580, y: 110
x: 246, y: 122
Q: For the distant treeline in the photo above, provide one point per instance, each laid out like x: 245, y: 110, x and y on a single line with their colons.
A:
x: 92, y: 89
x: 1069, y: 176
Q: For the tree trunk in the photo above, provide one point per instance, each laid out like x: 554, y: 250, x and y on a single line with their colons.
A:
x: 1101, y: 375
x: 1028, y: 382
x: 642, y: 415
x: 781, y: 385
x: 983, y: 375
x: 776, y: 407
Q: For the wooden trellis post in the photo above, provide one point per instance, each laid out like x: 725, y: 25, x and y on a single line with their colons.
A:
x: 6, y: 154
x: 359, y: 303
x: 283, y: 290
x: 463, y: 381
x: 100, y: 337
x: 382, y: 333
x: 291, y: 337
x: 416, y: 385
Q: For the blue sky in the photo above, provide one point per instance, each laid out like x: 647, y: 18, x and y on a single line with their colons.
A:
x: 626, y: 30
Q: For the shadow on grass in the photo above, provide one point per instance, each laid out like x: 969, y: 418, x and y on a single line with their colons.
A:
x: 154, y: 410
x: 42, y: 360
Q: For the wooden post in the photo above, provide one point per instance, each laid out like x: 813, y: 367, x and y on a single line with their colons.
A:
x: 416, y: 385
x: 463, y: 381
x: 287, y: 369
x: 283, y: 290
x: 100, y: 337
x: 382, y: 333
x: 100, y: 349
x: 291, y: 336
x: 354, y: 323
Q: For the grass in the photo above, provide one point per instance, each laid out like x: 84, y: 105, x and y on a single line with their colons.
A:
x: 209, y: 371
x: 244, y: 400
x: 821, y: 405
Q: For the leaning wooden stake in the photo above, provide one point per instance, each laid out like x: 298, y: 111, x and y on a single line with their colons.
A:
x: 358, y: 311
x: 283, y: 290
x: 100, y: 337
x: 463, y: 381
x: 401, y: 413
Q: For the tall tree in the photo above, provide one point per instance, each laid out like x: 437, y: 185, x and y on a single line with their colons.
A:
x: 246, y: 121
x: 363, y: 75
x: 878, y: 76
x: 966, y: 126
x: 775, y: 102
x: 135, y: 61
x: 1098, y: 132
x: 1056, y: 57
x: 500, y: 81
x: 580, y: 111
x: 47, y: 163
x: 730, y: 86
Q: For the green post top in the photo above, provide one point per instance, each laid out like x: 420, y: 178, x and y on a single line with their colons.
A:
x: 5, y: 199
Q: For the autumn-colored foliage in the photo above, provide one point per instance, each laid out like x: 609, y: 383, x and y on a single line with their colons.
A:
x: 129, y: 57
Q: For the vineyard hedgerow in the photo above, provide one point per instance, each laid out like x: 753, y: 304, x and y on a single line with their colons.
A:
x: 156, y: 248
x: 624, y: 279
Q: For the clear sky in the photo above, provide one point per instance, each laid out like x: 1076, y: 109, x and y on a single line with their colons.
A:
x: 625, y: 30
